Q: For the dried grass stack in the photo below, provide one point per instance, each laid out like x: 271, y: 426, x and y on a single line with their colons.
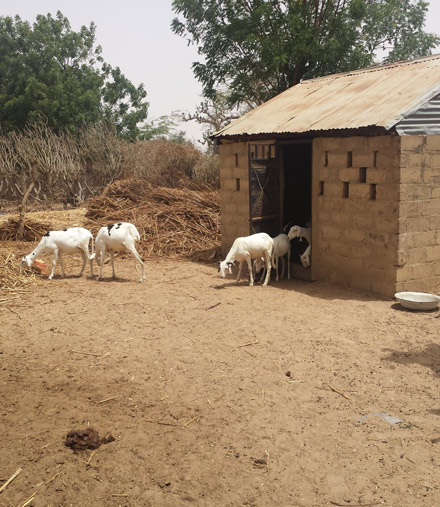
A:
x: 33, y: 230
x: 173, y: 222
x: 13, y: 280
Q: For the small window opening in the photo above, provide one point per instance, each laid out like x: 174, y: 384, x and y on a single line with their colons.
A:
x: 326, y: 159
x: 349, y: 159
x: 237, y: 184
x: 345, y: 189
x: 236, y: 159
x: 373, y: 192
x: 362, y: 175
x: 321, y: 188
x: 375, y: 158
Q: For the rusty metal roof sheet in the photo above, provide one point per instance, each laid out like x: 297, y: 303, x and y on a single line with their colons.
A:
x: 379, y: 96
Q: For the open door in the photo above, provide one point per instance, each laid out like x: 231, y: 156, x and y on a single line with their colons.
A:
x: 264, y: 189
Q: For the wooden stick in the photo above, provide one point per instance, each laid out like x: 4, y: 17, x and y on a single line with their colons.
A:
x: 53, y: 368
x: 192, y: 420
x: 339, y: 392
x: 354, y: 504
x: 50, y: 480
x: 13, y: 476
x: 276, y: 364
x: 91, y: 456
x: 213, y: 306
x: 120, y: 494
x: 109, y: 399
x: 85, y: 353
x: 163, y: 423
x: 247, y: 344
x: 209, y: 401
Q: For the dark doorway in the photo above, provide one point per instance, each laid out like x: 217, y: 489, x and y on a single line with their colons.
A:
x: 297, y: 191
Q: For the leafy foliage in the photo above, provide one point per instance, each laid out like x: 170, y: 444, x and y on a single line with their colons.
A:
x: 258, y: 48
x: 48, y: 70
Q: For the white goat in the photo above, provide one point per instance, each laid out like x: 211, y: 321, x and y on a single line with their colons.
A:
x: 69, y: 241
x: 248, y: 248
x: 281, y: 248
x: 305, y: 257
x: 302, y: 232
x: 299, y: 232
x: 117, y: 237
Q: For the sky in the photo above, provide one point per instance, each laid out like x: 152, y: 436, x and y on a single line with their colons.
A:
x: 135, y: 35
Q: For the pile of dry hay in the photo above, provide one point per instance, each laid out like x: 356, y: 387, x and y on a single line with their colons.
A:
x: 14, y: 281
x: 33, y: 230
x: 172, y: 222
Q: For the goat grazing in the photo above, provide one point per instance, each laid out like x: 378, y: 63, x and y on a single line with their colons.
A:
x: 305, y: 257
x: 117, y: 237
x: 248, y: 248
x: 302, y: 232
x: 69, y: 241
x: 281, y: 248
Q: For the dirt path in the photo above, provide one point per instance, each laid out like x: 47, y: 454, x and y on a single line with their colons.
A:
x: 216, y: 394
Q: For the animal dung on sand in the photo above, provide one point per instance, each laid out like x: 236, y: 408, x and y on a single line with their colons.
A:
x: 86, y: 439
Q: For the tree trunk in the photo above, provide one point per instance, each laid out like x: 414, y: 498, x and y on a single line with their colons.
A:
x: 22, y: 212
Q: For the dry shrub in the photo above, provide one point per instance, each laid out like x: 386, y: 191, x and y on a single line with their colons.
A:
x: 182, y: 222
x: 207, y: 169
x: 162, y: 161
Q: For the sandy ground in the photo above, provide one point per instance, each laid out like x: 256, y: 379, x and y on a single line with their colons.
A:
x: 216, y: 394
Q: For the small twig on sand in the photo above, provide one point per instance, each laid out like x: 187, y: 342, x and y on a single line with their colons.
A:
x: 339, y: 392
x: 192, y: 420
x: 91, y: 456
x: 85, y: 353
x: 13, y: 476
x: 163, y: 423
x: 354, y: 504
x: 276, y: 364
x: 53, y: 368
x: 120, y: 495
x: 13, y: 311
x: 109, y: 399
x: 249, y: 343
x: 213, y: 306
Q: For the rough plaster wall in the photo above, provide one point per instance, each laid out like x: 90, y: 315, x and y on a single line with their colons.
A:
x: 234, y: 172
x: 355, y: 238
x: 419, y: 215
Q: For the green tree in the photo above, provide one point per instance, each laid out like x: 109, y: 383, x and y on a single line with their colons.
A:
x: 258, y: 48
x: 48, y: 70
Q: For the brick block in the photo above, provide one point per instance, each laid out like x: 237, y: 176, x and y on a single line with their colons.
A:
x: 411, y: 175
x: 414, y: 286
x: 404, y: 274
x: 360, y: 191
x: 417, y: 224
x: 414, y: 192
x: 363, y: 159
x: 385, y: 143
x: 337, y: 159
x: 349, y: 174
x: 433, y: 253
x: 421, y: 271
x: 432, y: 143
x: 423, y: 239
x: 378, y: 176
x: 413, y: 143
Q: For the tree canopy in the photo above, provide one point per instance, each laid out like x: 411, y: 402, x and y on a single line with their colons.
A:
x: 48, y: 70
x: 258, y: 48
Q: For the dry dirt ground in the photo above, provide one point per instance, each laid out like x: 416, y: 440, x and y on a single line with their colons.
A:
x: 216, y: 394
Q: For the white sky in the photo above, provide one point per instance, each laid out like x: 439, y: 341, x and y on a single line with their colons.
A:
x: 136, y: 36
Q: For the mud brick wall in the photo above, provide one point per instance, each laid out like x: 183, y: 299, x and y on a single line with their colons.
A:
x: 234, y: 192
x: 419, y: 215
x: 355, y: 211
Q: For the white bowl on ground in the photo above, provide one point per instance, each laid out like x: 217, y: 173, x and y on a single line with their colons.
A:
x: 418, y: 300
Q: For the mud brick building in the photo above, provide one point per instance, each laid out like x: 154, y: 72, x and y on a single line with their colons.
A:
x: 357, y: 157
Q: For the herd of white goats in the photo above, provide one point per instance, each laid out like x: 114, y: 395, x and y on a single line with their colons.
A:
x: 259, y: 251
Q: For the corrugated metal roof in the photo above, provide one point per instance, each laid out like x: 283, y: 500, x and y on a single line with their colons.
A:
x: 380, y: 96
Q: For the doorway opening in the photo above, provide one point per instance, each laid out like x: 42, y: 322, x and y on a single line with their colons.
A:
x: 296, y: 195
